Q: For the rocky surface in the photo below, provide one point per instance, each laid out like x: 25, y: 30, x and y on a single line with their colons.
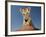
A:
x: 26, y: 28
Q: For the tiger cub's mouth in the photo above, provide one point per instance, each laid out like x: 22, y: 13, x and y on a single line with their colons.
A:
x: 26, y: 20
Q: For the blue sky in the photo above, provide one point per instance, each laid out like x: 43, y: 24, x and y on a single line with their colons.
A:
x: 17, y: 18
